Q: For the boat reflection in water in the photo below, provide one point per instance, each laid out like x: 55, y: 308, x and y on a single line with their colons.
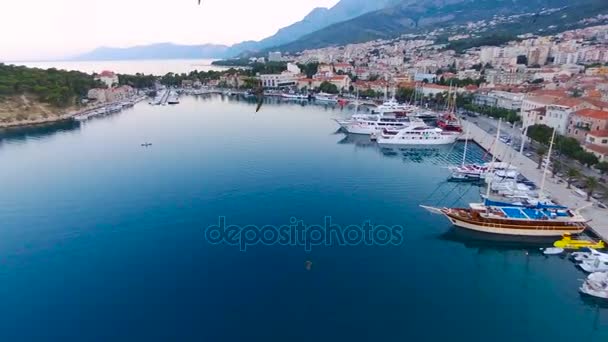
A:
x: 475, y: 239
x: 358, y: 140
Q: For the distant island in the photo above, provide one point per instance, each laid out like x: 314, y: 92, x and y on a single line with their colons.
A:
x: 156, y: 51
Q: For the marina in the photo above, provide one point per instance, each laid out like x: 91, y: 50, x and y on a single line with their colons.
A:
x: 158, y: 198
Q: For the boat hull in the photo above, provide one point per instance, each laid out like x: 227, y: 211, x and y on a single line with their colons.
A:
x: 514, y: 230
x: 446, y: 140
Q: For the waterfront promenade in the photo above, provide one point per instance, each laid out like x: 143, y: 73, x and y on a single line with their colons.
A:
x: 554, y: 189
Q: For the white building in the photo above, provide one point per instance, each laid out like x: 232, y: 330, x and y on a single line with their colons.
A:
x: 108, y: 78
x: 533, y: 109
x: 507, y: 100
x: 557, y: 117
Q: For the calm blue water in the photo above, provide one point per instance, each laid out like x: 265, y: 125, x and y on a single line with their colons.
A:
x: 102, y: 239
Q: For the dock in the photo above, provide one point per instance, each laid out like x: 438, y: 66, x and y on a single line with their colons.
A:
x: 598, y: 217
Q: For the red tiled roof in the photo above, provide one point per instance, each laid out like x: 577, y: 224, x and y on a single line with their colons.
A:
x: 106, y: 73
x: 592, y: 113
x: 569, y: 102
x: 597, y: 148
x: 595, y: 102
x: 602, y: 133
x: 549, y: 92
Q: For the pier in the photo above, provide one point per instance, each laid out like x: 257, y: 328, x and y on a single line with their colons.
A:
x: 555, y: 190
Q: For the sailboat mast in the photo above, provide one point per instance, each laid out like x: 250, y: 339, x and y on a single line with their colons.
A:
x: 525, y: 129
x: 542, y: 184
x: 491, y: 170
x: 466, y: 143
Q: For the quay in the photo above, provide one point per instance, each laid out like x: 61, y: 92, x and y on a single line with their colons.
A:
x: 598, y: 217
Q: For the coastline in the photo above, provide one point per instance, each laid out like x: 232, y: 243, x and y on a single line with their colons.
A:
x: 41, y: 121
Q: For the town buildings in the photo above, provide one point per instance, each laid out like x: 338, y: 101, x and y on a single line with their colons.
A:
x: 596, y: 142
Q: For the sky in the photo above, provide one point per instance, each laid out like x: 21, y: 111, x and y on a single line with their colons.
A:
x: 48, y: 29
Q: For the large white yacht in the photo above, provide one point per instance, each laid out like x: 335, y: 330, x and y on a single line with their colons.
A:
x: 417, y: 134
x: 392, y: 106
x: 374, y: 123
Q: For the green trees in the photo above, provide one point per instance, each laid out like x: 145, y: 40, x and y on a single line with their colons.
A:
x: 369, y: 93
x: 556, y: 167
x: 592, y: 184
x: 587, y: 158
x: 602, y: 167
x: 404, y: 94
x: 508, y: 115
x: 329, y: 88
x: 569, y: 147
x: 138, y: 80
x: 57, y: 87
x: 540, y: 133
x: 309, y: 69
x: 541, y: 151
x: 572, y: 175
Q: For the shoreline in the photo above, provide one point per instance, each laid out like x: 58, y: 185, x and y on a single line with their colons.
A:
x: 36, y: 122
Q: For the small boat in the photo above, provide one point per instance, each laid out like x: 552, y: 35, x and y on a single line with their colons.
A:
x: 568, y: 243
x: 596, y: 285
x: 552, y: 251
x: 328, y: 98
x: 580, y: 256
x: 597, y: 264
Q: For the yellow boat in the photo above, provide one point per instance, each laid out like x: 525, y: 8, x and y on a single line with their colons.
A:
x: 568, y: 243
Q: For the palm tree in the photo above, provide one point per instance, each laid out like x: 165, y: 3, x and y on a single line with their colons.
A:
x: 541, y: 151
x: 572, y: 175
x: 556, y: 168
x: 592, y: 184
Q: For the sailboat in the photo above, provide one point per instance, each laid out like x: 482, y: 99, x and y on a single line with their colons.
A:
x: 449, y: 122
x: 541, y: 220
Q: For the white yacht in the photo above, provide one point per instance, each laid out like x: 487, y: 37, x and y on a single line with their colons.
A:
x: 373, y: 123
x: 329, y: 98
x: 596, y: 285
x: 417, y: 134
x: 392, y: 106
x: 292, y: 96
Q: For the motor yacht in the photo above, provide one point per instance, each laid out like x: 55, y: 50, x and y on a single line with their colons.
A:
x: 416, y: 134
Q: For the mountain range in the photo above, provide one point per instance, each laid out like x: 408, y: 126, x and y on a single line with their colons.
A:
x: 354, y: 21
x: 155, y: 51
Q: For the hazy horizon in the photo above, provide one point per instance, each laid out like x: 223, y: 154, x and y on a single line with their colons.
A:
x: 58, y: 29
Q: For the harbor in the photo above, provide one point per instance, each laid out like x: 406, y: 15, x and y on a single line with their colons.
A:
x: 555, y: 188
x: 151, y: 205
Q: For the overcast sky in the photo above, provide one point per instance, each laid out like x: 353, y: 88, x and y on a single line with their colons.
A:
x: 39, y: 29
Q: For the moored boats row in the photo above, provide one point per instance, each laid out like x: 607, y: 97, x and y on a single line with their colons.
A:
x: 108, y: 109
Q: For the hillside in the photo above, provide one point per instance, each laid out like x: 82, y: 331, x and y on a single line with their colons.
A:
x: 317, y: 19
x: 156, y: 51
x: 39, y: 95
x: 425, y: 15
